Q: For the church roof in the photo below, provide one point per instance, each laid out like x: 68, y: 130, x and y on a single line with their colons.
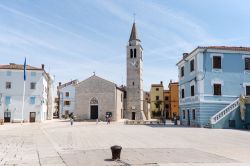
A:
x: 133, y: 34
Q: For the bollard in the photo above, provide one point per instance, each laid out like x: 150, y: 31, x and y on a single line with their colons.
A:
x: 116, y: 152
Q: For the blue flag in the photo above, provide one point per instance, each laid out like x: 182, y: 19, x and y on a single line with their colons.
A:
x: 24, y: 70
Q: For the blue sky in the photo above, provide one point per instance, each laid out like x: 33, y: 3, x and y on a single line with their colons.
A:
x: 74, y: 38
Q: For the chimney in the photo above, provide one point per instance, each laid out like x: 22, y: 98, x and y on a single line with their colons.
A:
x: 42, y: 66
x: 60, y: 83
x: 170, y: 81
x: 161, y: 82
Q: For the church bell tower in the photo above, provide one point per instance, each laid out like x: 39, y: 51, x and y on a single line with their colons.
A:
x: 134, y: 77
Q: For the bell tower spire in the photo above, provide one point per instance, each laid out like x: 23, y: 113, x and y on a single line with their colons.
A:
x: 134, y: 77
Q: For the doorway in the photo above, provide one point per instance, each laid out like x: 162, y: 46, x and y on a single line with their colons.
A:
x: 133, y: 115
x: 188, y: 116
x: 7, y: 116
x: 32, y: 117
x: 94, y: 112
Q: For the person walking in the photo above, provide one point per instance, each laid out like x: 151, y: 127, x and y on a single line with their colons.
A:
x: 109, y: 120
x: 71, y: 121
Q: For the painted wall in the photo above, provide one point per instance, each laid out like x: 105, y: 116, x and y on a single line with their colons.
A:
x: 232, y: 77
x: 70, y: 108
x: 16, y: 94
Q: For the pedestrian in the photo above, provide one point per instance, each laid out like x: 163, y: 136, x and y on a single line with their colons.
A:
x: 108, y: 120
x: 71, y: 121
x: 97, y: 121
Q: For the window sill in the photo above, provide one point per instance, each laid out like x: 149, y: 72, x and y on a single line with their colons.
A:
x: 217, y: 70
x: 246, y: 71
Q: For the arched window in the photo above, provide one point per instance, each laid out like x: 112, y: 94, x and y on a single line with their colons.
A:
x: 134, y: 53
x: 131, y: 53
x: 94, y: 101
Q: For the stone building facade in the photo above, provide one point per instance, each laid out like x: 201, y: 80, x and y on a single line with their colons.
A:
x: 96, y: 98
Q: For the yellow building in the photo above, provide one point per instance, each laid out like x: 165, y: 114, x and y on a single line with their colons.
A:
x: 156, y: 100
x: 174, y: 99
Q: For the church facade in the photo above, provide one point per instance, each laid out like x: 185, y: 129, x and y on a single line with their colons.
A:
x: 97, y: 98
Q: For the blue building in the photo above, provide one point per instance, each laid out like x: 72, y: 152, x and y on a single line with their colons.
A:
x: 214, y: 86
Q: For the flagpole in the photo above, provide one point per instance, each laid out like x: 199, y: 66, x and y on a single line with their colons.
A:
x: 23, y: 98
x: 24, y: 82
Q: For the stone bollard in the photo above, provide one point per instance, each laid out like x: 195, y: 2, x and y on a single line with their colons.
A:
x: 116, y: 152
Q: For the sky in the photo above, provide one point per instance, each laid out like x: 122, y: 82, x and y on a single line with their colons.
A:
x: 75, y: 38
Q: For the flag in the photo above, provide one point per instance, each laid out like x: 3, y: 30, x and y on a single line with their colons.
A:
x: 24, y: 70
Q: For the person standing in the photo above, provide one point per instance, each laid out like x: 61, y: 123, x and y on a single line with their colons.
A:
x: 71, y: 121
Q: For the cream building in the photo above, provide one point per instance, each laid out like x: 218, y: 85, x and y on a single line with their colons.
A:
x: 96, y: 98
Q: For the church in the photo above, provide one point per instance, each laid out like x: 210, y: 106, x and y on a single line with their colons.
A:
x: 97, y: 98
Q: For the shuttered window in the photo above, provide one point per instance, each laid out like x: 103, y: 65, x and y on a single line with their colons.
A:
x: 217, y: 62
x: 217, y: 89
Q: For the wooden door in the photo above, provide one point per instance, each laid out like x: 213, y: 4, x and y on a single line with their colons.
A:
x: 7, y: 116
x: 32, y: 117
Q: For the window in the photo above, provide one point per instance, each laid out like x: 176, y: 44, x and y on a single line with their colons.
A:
x: 8, y: 73
x: 32, y: 100
x: 8, y: 85
x: 133, y: 83
x: 216, y: 62
x: 192, y: 65
x: 32, y: 85
x: 157, y: 89
x: 7, y: 100
x: 66, y: 102
x: 193, y: 114
x: 183, y: 114
x: 166, y: 98
x: 131, y: 53
x: 247, y: 90
x: 217, y: 89
x: 182, y: 93
x: 182, y: 71
x: 121, y: 97
x: 166, y: 106
x: 125, y: 95
x: 192, y: 90
x: 33, y: 74
x: 134, y: 53
x: 247, y: 63
x: 156, y: 97
x: 157, y: 106
x: 67, y: 94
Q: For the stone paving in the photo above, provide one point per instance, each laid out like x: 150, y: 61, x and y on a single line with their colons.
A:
x: 88, y: 144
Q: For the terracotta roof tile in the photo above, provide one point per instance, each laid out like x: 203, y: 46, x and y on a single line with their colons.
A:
x: 18, y: 67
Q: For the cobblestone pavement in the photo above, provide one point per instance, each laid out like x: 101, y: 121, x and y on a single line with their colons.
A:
x: 88, y: 144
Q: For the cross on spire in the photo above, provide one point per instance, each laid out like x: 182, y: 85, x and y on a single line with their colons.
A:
x: 134, y: 14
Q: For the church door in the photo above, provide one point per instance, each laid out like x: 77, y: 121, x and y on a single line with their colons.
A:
x: 133, y: 115
x: 93, y: 111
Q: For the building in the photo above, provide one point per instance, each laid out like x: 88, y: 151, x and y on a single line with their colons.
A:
x: 96, y: 98
x: 211, y: 82
x: 134, y: 109
x: 173, y: 99
x: 66, y: 97
x: 156, y: 100
x: 166, y: 99
x: 38, y: 103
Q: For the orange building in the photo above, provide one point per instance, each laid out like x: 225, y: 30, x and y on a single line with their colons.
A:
x: 174, y: 99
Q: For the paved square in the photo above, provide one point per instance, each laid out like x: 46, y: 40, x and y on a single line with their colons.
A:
x: 87, y: 143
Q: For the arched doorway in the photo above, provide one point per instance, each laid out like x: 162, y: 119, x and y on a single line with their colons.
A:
x: 93, y: 108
